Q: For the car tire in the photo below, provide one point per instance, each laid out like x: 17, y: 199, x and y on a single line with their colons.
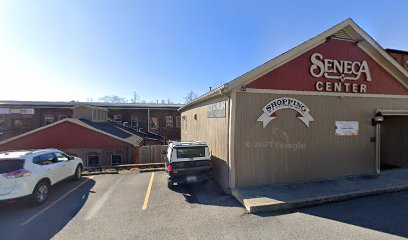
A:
x: 78, y: 173
x: 40, y: 193
x: 170, y: 185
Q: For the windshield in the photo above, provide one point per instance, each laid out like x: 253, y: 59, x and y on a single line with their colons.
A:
x: 10, y: 165
x: 190, y: 152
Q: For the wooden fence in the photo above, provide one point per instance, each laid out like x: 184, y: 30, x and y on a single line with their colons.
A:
x: 151, y: 154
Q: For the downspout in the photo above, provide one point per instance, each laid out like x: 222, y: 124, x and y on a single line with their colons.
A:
x: 148, y: 120
x: 377, y: 148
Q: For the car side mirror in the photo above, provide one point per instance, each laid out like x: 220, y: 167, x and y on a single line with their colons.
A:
x: 71, y: 157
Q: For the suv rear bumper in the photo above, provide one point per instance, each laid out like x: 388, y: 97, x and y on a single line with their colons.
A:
x: 199, y: 177
x: 20, y: 190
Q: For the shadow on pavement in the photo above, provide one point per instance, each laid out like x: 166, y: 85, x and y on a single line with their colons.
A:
x: 386, y: 213
x: 206, y: 194
x: 15, y: 220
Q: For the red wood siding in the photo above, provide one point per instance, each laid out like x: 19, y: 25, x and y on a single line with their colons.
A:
x: 64, y: 135
x: 295, y: 74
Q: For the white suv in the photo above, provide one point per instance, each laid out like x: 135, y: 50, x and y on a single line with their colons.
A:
x: 31, y: 173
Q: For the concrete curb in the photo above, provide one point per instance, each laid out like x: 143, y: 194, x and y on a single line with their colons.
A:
x: 276, y: 205
x: 152, y: 170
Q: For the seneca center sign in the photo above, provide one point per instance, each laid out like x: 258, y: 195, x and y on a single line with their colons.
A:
x: 339, y: 95
x: 348, y: 74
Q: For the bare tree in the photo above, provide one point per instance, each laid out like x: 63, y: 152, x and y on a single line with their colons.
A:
x: 190, y: 97
x: 113, y: 99
x: 136, y: 98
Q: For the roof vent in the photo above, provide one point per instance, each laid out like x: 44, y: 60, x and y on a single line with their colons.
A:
x: 342, y: 35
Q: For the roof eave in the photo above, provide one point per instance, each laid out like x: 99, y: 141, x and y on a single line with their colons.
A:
x: 221, y: 90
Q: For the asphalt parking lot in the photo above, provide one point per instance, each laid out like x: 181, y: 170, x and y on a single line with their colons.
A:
x: 123, y: 206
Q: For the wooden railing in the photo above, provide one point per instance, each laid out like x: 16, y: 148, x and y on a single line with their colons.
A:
x: 124, y: 166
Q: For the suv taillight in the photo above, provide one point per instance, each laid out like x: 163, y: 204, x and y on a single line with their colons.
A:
x: 210, y: 164
x: 18, y: 173
x: 169, y: 168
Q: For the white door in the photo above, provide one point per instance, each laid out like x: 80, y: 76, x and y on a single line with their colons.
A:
x: 67, y: 166
x: 50, y: 167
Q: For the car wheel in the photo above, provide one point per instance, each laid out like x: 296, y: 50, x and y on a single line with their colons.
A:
x: 78, y: 173
x: 40, y: 193
x: 170, y: 185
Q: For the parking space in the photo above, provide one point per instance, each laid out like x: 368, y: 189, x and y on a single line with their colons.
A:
x: 111, y: 207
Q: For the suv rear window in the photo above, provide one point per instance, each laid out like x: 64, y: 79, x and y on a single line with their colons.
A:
x: 10, y: 165
x: 190, y: 152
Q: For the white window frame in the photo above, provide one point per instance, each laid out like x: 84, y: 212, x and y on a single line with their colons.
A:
x: 117, y: 116
x: 169, y: 119
x: 93, y: 155
x: 157, y: 125
x: 121, y: 158
x: 134, y: 117
x: 49, y: 117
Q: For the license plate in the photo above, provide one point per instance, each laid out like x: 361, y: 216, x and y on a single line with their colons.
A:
x: 191, y: 178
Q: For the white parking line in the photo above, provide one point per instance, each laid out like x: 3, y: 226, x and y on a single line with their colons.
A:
x: 55, y: 202
x: 101, y: 201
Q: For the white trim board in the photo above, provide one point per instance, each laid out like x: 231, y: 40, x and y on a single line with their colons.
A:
x: 327, y: 94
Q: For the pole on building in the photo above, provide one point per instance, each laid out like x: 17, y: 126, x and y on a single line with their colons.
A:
x: 148, y: 120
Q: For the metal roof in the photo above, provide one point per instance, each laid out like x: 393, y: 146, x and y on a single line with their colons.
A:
x: 109, y: 128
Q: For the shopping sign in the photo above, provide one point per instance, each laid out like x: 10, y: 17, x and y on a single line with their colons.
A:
x: 269, y: 111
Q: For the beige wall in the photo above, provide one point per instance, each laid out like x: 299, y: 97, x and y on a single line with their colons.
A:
x: 287, y: 151
x: 82, y: 112
x: 213, y: 131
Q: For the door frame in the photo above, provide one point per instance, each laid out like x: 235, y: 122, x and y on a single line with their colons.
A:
x: 385, y: 113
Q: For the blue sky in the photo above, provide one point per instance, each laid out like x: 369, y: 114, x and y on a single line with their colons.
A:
x: 81, y: 49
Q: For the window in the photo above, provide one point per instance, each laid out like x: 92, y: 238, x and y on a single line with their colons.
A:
x: 154, y: 122
x: 2, y: 122
x: 178, y: 121
x: 116, y: 159
x: 134, y: 121
x: 11, y: 165
x: 117, y: 118
x: 60, y: 117
x: 191, y: 152
x: 48, y: 120
x: 61, y: 157
x: 21, y: 123
x: 44, y: 159
x: 169, y: 121
x: 93, y: 160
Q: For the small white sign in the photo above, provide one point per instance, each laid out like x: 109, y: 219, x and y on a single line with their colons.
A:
x: 27, y: 111
x: 4, y: 110
x: 15, y: 110
x: 346, y: 128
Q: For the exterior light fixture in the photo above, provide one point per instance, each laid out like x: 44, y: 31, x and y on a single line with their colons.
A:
x: 377, y: 119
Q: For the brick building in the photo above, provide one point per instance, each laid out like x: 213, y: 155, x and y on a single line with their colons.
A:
x: 400, y: 56
x: 17, y: 117
x: 88, y: 135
